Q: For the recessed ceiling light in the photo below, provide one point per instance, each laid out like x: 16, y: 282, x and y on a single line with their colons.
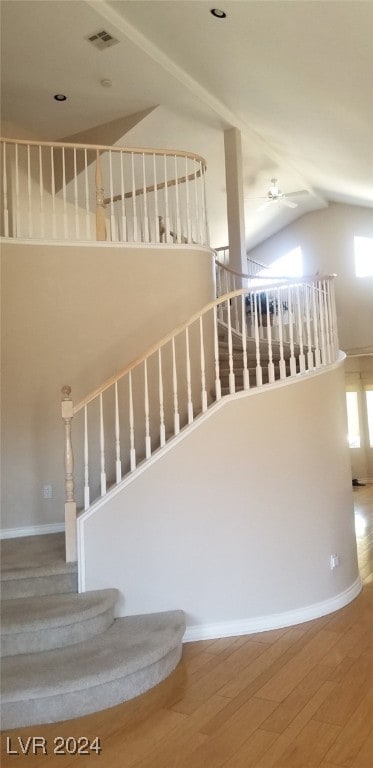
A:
x: 219, y: 14
x: 60, y: 97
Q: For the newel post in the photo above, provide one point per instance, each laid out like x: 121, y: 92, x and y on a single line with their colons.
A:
x: 70, y: 503
x: 100, y: 205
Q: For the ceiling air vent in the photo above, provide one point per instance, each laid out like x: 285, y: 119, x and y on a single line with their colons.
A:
x: 102, y: 39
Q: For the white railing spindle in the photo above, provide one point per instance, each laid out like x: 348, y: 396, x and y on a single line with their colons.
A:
x: 189, y: 379
x: 216, y: 357
x: 148, y: 447
x: 5, y: 194
x: 86, y: 461
x: 118, y: 462
x: 102, y: 449
x: 29, y: 193
x: 162, y: 427
x: 175, y: 392
x: 203, y: 367
x: 131, y: 425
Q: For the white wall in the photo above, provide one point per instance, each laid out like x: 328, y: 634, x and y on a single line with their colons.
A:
x: 327, y: 241
x: 76, y: 315
x: 237, y: 523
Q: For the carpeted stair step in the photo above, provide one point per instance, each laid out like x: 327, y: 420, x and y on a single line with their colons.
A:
x: 40, y: 623
x: 35, y: 565
x: 132, y: 656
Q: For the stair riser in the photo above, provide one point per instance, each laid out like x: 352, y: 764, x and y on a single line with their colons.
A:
x: 84, y: 701
x: 44, y: 585
x: 57, y: 637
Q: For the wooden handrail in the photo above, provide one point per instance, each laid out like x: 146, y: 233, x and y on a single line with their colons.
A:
x: 292, y: 280
x: 169, y: 336
x: 105, y: 148
x: 153, y: 187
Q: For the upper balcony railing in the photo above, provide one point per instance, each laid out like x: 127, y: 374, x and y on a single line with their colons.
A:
x: 72, y: 192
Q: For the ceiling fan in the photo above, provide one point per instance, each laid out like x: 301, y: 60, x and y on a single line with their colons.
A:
x: 274, y: 195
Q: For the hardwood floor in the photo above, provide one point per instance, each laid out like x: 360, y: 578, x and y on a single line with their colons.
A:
x: 292, y: 698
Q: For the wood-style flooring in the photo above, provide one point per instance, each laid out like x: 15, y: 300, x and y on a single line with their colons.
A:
x: 292, y: 698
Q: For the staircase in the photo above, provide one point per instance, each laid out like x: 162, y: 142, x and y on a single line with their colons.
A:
x: 64, y: 654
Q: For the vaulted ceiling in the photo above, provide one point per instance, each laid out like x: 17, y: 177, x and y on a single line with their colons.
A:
x: 294, y: 76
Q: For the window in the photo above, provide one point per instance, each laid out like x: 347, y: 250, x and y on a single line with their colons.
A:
x: 289, y: 265
x: 363, y: 256
x: 353, y: 420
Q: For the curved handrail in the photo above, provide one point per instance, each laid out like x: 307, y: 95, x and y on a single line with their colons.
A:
x: 227, y: 297
x: 278, y: 278
x: 154, y: 187
x: 104, y: 147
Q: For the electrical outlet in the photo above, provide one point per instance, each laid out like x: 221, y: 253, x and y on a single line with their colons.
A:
x: 47, y: 492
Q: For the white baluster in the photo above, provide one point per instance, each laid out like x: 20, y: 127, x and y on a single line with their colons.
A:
x: 100, y: 204
x: 189, y: 382
x: 70, y: 504
x: 231, y: 378
x: 327, y: 321
x: 102, y: 449
x: 187, y: 192
x: 203, y: 367
x: 18, y: 221
x: 53, y: 193
x: 113, y: 228
x: 156, y: 214
x: 162, y: 428
x: 301, y: 356
x: 271, y: 367
x: 76, y: 202
x: 87, y: 216
x: 134, y: 208
x: 175, y: 392
x: 216, y: 356
x: 123, y: 200
x: 86, y: 461
x: 148, y: 447
x: 145, y: 196
x: 334, y: 320
x: 316, y: 326
x: 177, y: 203
x: 282, y: 363
x: 168, y: 237
x: 206, y: 235
x: 131, y: 423
x: 65, y: 222
x: 308, y: 328
x: 293, y: 362
x: 246, y: 380
x: 41, y: 194
x: 258, y: 370
x: 118, y: 463
x: 196, y: 205
x: 5, y: 194
x: 29, y: 192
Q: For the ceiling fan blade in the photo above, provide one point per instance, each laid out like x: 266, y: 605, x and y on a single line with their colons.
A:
x: 298, y: 193
x: 264, y: 205
x: 289, y: 203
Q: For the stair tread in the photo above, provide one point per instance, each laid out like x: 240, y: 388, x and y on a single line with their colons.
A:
x: 130, y: 644
x: 33, y: 556
x: 26, y: 614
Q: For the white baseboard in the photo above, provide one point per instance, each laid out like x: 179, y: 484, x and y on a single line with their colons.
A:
x: 32, y: 530
x: 274, y: 621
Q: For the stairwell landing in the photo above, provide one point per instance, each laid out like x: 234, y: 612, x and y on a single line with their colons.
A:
x: 64, y: 655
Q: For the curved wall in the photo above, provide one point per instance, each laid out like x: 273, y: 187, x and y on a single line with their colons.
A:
x: 237, y: 522
x: 74, y: 314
